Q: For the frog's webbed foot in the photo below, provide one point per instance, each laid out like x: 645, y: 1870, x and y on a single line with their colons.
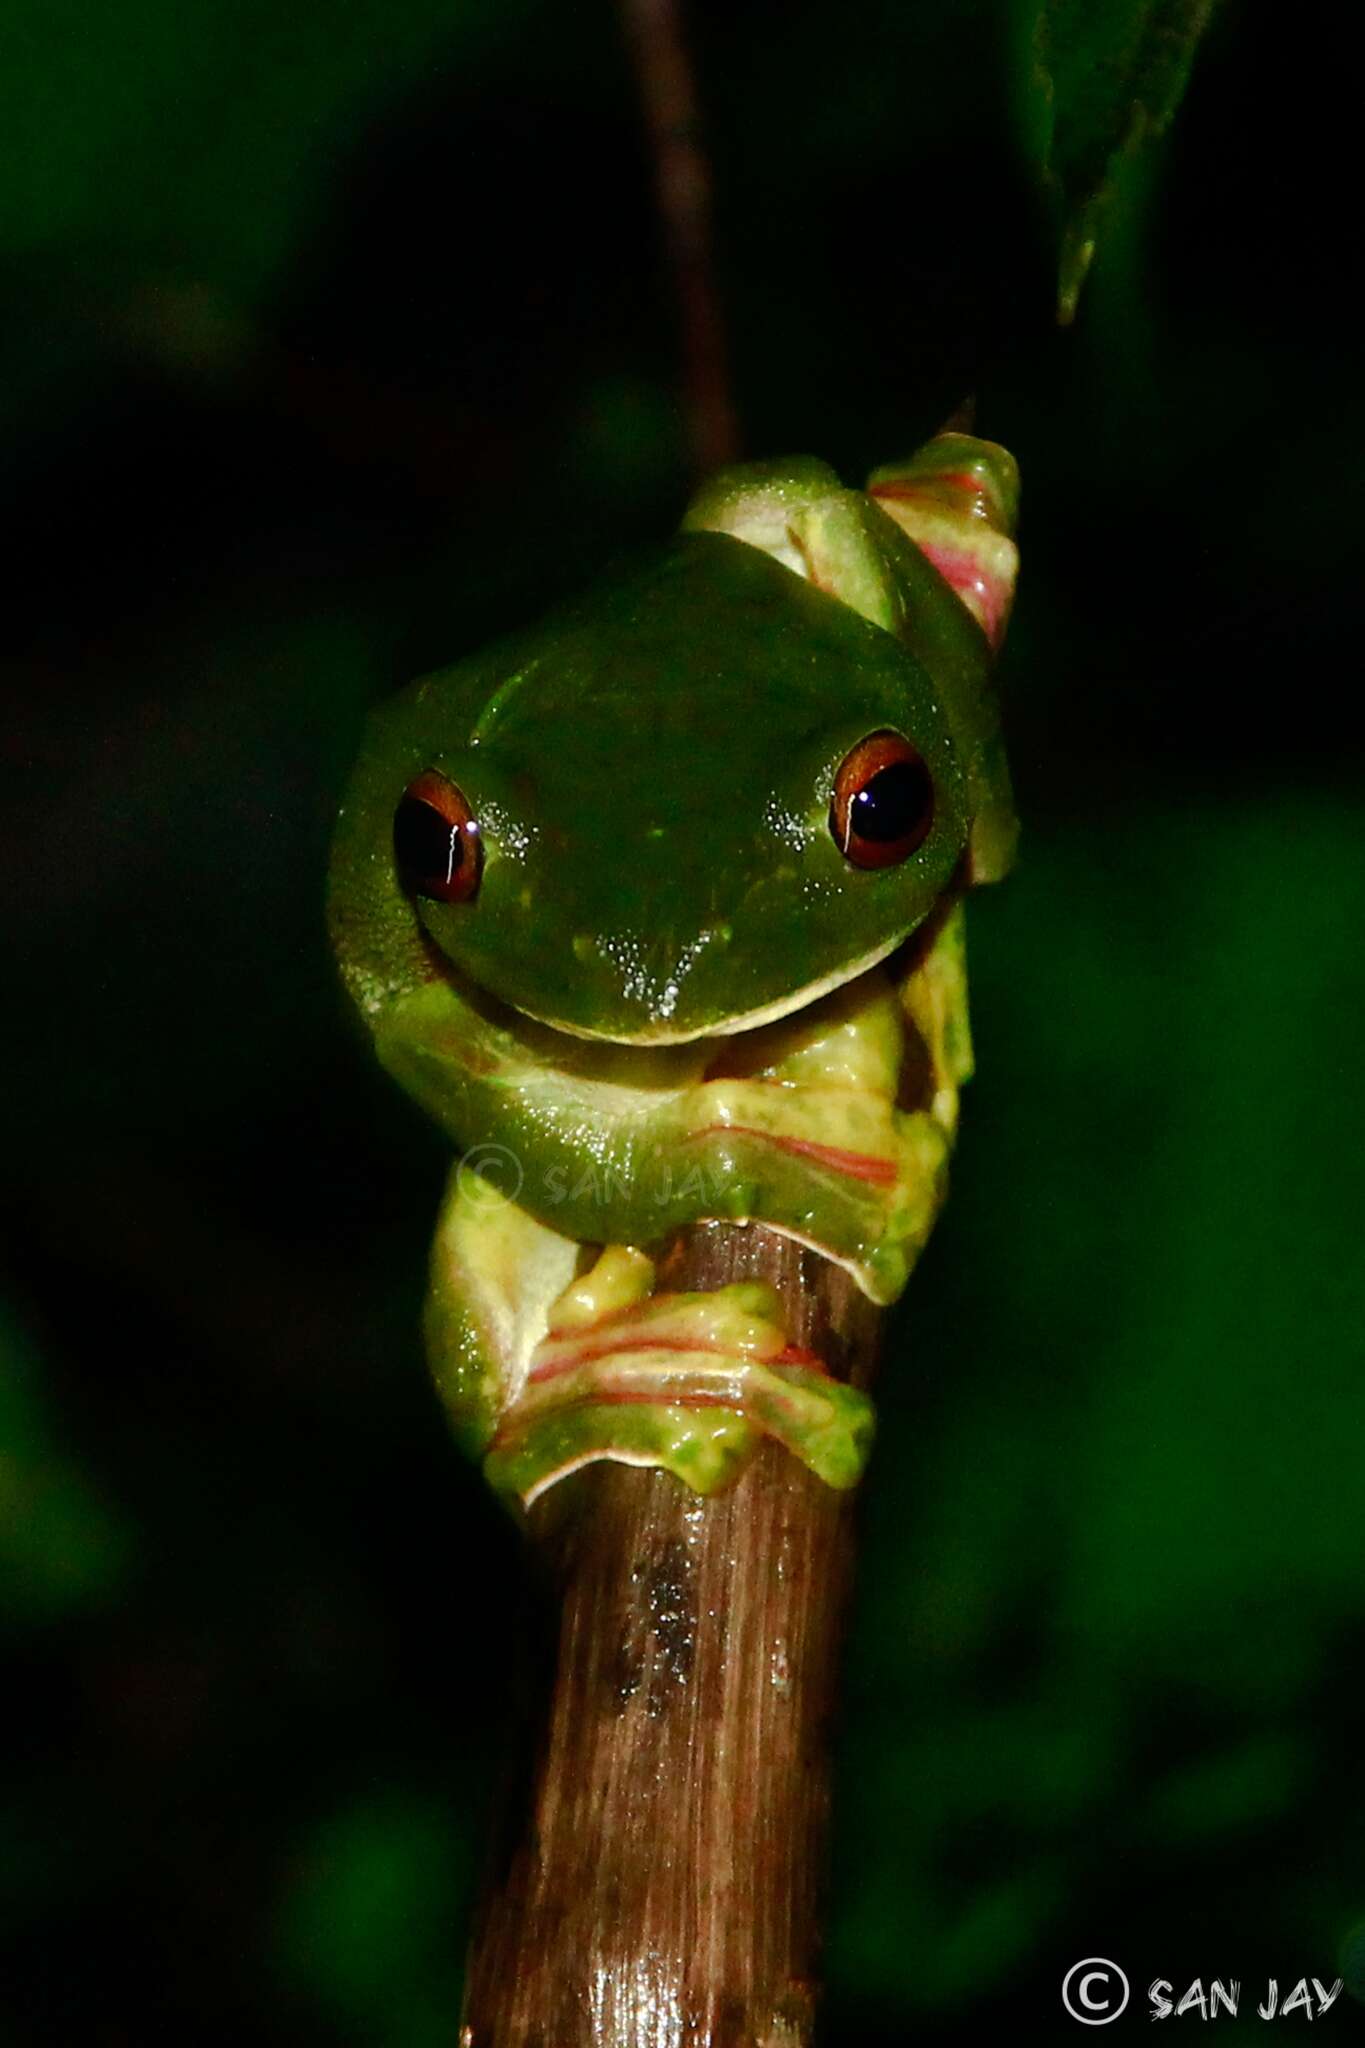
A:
x: 541, y: 1382
x: 686, y: 1381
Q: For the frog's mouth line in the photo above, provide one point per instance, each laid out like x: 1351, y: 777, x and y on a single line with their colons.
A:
x: 728, y: 1027
x: 609, y: 1063
x: 660, y: 1034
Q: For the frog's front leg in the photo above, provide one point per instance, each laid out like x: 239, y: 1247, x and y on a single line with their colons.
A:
x: 545, y: 1367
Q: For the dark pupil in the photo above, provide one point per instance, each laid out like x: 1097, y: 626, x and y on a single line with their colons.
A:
x: 427, y: 847
x: 892, y: 802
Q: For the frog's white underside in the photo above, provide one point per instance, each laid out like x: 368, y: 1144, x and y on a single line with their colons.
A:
x: 748, y: 1020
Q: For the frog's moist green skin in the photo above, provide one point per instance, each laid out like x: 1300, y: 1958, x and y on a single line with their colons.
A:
x: 656, y: 910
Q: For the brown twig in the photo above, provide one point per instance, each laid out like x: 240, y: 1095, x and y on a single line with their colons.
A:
x: 683, y: 178
x: 664, y: 1886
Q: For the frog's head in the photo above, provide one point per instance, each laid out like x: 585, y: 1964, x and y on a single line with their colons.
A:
x: 703, y: 796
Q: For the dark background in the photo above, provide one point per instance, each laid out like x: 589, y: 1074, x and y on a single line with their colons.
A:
x: 336, y: 338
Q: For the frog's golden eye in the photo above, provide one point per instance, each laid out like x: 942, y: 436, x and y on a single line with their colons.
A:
x: 883, y: 802
x: 436, y: 841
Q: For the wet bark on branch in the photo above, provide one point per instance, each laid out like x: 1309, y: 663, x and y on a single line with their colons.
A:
x: 663, y: 1890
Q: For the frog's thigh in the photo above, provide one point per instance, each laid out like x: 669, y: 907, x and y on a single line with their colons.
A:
x: 494, y: 1273
x: 934, y: 997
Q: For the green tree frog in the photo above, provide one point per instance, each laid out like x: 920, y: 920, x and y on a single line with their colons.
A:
x: 656, y: 909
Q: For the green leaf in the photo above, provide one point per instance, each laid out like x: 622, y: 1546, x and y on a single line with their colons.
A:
x: 1109, y: 75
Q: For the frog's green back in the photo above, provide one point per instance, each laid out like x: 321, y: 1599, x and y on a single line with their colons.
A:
x: 939, y: 521
x: 652, y: 772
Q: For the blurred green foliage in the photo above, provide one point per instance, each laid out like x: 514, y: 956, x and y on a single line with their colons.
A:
x: 156, y: 133
x: 1117, y: 1622
x: 338, y: 339
x: 369, y: 1924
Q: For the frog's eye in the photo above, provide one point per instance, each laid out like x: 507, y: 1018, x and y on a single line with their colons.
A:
x: 436, y: 841
x: 883, y: 803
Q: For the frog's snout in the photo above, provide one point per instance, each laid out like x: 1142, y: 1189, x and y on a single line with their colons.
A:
x: 650, y: 976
